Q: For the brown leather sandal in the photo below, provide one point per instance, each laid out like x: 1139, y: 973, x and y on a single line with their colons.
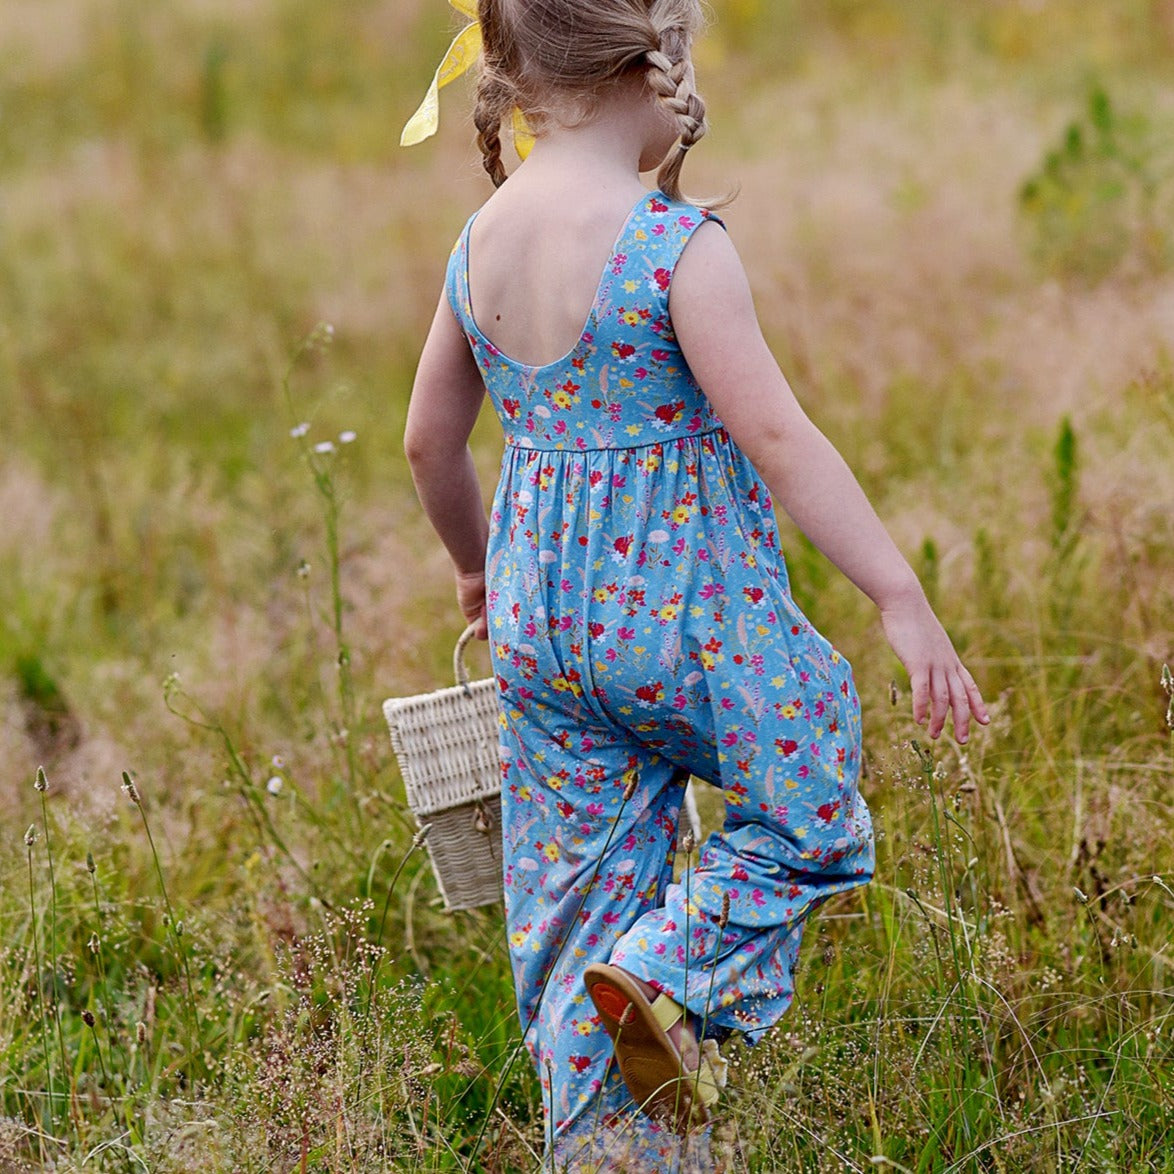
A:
x: 650, y: 1063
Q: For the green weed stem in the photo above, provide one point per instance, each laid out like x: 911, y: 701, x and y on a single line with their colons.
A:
x: 30, y: 838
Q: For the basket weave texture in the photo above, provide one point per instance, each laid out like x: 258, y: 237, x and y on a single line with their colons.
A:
x: 446, y: 744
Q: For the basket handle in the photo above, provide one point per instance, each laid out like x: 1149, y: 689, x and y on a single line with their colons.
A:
x: 459, y: 670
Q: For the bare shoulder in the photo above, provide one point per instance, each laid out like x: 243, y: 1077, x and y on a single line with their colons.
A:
x: 710, y: 294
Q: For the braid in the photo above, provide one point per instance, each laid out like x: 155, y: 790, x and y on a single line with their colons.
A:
x: 670, y: 78
x: 494, y: 101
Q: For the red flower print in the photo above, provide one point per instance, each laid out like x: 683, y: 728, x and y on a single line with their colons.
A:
x: 753, y: 594
x: 650, y: 693
x: 655, y: 205
x: 622, y: 350
x: 511, y: 407
x: 670, y: 413
x: 660, y: 355
x: 662, y: 277
x: 828, y: 811
x: 580, y: 1063
x: 788, y: 746
x: 623, y: 544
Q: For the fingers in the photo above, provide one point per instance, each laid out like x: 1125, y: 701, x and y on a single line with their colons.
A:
x: 919, y: 683
x: 974, y: 697
x: 960, y: 706
x: 939, y: 695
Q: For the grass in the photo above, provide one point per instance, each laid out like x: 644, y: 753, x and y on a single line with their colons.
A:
x: 955, y: 223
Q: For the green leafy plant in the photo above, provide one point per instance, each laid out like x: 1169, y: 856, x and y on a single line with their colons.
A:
x: 1100, y: 198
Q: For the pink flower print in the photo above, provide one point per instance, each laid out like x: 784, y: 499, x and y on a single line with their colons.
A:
x: 626, y: 633
x: 662, y: 279
x: 657, y: 206
x: 660, y: 356
x: 658, y: 230
x: 680, y: 702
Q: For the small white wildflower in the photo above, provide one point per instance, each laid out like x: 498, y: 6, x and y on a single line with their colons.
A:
x: 299, y: 430
x: 347, y: 437
x: 324, y: 447
x: 274, y: 785
x: 278, y: 762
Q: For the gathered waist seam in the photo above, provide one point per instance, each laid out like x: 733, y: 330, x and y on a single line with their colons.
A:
x: 571, y: 450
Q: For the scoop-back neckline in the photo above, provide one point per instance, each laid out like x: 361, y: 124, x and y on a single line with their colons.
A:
x: 562, y: 360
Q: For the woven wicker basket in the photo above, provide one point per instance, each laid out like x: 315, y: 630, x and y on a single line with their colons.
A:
x: 446, y: 746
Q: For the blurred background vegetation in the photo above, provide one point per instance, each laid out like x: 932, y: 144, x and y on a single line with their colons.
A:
x: 959, y: 221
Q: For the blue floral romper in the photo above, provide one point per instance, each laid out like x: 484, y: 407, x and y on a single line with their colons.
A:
x: 642, y: 629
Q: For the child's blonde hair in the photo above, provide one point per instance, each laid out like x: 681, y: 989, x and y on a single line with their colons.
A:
x: 536, y: 51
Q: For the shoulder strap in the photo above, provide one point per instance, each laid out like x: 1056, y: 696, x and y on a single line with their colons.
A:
x: 456, y: 280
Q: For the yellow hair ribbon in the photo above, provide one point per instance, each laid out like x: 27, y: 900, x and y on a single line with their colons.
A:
x: 464, y: 50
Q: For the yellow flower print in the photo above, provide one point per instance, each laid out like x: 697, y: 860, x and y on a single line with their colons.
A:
x: 561, y: 399
x: 551, y: 853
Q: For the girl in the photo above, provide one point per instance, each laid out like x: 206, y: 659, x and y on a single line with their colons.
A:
x: 631, y: 587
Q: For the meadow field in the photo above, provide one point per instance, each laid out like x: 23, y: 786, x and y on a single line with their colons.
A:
x: 221, y: 946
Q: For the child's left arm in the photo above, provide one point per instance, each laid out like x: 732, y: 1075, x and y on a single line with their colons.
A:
x: 446, y: 398
x: 716, y: 324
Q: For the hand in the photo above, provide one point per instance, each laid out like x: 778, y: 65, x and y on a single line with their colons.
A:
x: 471, y: 597
x: 938, y: 678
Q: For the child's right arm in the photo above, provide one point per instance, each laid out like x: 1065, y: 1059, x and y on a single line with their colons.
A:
x: 716, y: 324
x: 446, y: 398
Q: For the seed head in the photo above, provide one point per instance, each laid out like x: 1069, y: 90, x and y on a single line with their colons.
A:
x: 630, y: 789
x: 129, y: 789
x: 88, y: 1018
x: 688, y: 843
x: 724, y: 919
x: 141, y: 1032
x: 95, y: 943
x: 299, y: 430
x: 41, y: 783
x: 90, y: 866
x: 347, y: 437
x: 30, y: 837
x: 324, y: 447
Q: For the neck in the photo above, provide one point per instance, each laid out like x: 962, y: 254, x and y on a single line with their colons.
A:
x: 609, y: 146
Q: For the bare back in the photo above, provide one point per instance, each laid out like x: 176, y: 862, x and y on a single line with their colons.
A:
x: 536, y: 257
